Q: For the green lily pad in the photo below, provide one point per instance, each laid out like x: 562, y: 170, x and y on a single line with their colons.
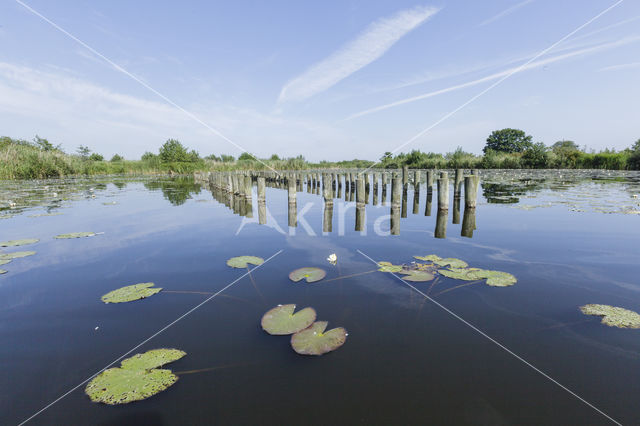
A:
x: 499, y: 278
x: 417, y: 275
x: 451, y: 262
x: 136, y: 379
x: 388, y: 267
x: 130, y: 293
x: 152, y: 359
x: 613, y: 316
x: 281, y: 320
x: 4, y: 261
x: 2, y: 271
x: 315, y: 341
x: 458, y: 274
x: 429, y: 257
x: 75, y: 235
x: 16, y: 255
x: 311, y: 274
x: 243, y: 261
x: 15, y: 243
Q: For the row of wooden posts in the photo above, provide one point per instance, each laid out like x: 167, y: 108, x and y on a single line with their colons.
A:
x: 240, y: 183
x: 234, y: 189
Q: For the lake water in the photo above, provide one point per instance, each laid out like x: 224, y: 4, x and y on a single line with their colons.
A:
x: 570, y: 238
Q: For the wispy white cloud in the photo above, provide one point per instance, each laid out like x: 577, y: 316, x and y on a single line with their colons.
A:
x: 370, y: 45
x: 495, y: 76
x: 75, y: 111
x: 505, y: 12
x: 618, y: 67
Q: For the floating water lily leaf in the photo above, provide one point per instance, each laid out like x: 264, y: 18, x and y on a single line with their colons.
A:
x: 315, y: 341
x: 152, y: 359
x: 45, y: 214
x: 458, y: 274
x: 416, y: 275
x: 613, y: 316
x: 130, y: 293
x: 281, y: 320
x: 4, y: 261
x: 2, y: 271
x: 75, y: 235
x: 499, y: 278
x: 136, y: 379
x: 16, y: 255
x: 388, y: 267
x: 310, y: 273
x: 243, y: 261
x: 430, y: 257
x: 110, y: 203
x: 451, y: 262
x: 15, y: 243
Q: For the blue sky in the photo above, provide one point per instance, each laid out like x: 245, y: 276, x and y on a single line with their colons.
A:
x: 329, y: 80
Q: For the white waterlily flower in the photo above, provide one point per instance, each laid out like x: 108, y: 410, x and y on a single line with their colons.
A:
x: 332, y: 258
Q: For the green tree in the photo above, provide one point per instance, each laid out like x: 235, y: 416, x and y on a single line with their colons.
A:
x: 44, y: 144
x: 536, y: 156
x: 172, y: 151
x: 246, y: 156
x: 274, y: 157
x: 634, y: 158
x: 116, y: 157
x: 96, y: 157
x: 566, y: 145
x: 148, y: 156
x: 84, y: 152
x: 213, y: 157
x: 227, y: 158
x: 508, y: 140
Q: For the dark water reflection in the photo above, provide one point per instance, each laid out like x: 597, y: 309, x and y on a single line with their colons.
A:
x: 406, y: 361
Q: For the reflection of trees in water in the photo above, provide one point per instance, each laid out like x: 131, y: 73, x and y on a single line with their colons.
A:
x: 177, y: 190
x: 508, y: 192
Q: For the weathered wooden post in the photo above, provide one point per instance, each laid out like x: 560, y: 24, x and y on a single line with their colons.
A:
x: 430, y: 181
x: 443, y: 191
x: 248, y: 186
x: 416, y: 191
x: 360, y: 191
x: 405, y: 176
x: 470, y: 192
x: 396, y: 189
x: 457, y: 185
x: 384, y: 188
x: 261, y: 187
x: 291, y: 188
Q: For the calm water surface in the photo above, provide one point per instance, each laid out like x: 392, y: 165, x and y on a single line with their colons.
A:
x: 570, y: 239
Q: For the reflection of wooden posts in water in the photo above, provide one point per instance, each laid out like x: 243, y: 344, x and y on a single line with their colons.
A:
x: 404, y: 202
x: 443, y: 191
x: 367, y: 188
x: 427, y: 207
x: 441, y: 223
x: 360, y: 217
x: 416, y: 192
x: 457, y: 183
x: 375, y: 189
x: 456, y: 210
x: 262, y: 212
x: 468, y: 222
x: 308, y: 178
x: 360, y: 189
x: 327, y: 217
x: 470, y: 191
x: 384, y: 188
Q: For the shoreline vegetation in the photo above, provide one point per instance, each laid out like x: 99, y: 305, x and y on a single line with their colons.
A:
x: 505, y: 149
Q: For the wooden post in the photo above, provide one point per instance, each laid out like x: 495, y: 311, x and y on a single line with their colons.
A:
x: 360, y: 191
x: 470, y: 191
x: 405, y: 176
x: 457, y: 186
x: 291, y: 187
x: 248, y: 184
x: 443, y: 191
x: 396, y: 189
x: 429, y: 181
x: 261, y: 188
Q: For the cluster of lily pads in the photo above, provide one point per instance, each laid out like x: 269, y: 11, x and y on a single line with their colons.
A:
x: 6, y: 258
x: 449, y: 267
x: 613, y: 316
x: 308, y: 336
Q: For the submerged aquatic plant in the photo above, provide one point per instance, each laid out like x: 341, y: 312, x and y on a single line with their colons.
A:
x: 136, y: 379
x: 16, y: 255
x: 243, y: 261
x: 16, y: 243
x: 310, y: 273
x: 130, y: 293
x: 282, y: 321
x: 75, y: 235
x: 613, y: 316
x: 315, y: 341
